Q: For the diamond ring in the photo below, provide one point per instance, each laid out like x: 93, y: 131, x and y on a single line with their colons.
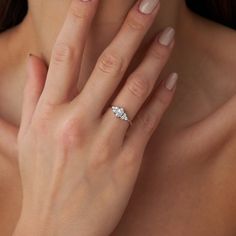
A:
x: 120, y: 113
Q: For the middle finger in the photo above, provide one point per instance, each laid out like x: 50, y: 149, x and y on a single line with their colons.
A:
x: 114, y: 61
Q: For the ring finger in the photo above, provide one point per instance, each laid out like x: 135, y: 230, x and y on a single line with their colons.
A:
x: 141, y: 82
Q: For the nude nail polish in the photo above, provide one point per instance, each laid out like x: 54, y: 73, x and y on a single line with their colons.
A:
x: 167, y: 36
x: 147, y: 6
x: 171, y: 81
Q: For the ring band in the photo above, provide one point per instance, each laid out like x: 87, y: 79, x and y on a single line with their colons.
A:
x: 121, y: 114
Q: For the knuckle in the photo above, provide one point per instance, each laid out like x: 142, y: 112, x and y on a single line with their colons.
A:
x: 148, y: 121
x: 42, y: 121
x: 135, y: 23
x: 77, y: 11
x: 110, y: 63
x: 62, y: 53
x: 129, y: 160
x: 101, y: 155
x: 159, y: 53
x: 138, y: 86
x: 41, y: 128
x: 72, y: 133
x: 163, y: 100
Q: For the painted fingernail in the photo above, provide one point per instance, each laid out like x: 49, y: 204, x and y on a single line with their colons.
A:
x: 171, y: 81
x: 167, y: 36
x: 147, y: 6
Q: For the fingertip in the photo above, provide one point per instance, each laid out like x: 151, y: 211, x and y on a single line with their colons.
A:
x: 171, y: 81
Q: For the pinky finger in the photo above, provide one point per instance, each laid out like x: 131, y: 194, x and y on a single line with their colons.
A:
x: 150, y: 115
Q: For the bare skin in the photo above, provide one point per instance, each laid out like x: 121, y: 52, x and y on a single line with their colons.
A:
x: 186, y: 182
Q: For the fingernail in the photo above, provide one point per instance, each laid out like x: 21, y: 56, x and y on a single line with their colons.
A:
x: 171, y: 81
x: 147, y: 6
x: 167, y: 36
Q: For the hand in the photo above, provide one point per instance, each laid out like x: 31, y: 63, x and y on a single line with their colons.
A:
x: 78, y: 162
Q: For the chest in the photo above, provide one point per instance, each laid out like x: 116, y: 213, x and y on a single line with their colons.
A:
x: 174, y: 196
x: 11, y: 96
x: 10, y: 196
x: 171, y: 197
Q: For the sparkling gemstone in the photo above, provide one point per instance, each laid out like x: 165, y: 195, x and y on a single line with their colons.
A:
x: 120, y: 112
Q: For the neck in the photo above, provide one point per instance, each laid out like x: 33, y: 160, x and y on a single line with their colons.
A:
x: 113, y: 11
x: 204, y: 50
x: 43, y: 22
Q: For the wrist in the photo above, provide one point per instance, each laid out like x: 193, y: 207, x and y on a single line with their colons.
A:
x: 28, y: 226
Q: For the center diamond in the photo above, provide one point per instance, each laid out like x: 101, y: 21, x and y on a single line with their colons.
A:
x: 118, y: 111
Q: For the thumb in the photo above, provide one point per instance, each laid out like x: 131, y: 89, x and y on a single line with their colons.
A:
x: 8, y: 139
x: 36, y: 77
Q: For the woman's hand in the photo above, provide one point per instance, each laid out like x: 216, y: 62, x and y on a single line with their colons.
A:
x: 78, y: 162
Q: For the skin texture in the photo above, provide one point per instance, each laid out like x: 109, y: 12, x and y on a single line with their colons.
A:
x: 186, y: 181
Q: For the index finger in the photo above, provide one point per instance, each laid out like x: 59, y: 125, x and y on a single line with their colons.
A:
x: 67, y: 52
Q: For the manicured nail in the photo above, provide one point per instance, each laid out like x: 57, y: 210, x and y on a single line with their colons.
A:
x: 147, y: 6
x: 167, y: 36
x: 171, y: 81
